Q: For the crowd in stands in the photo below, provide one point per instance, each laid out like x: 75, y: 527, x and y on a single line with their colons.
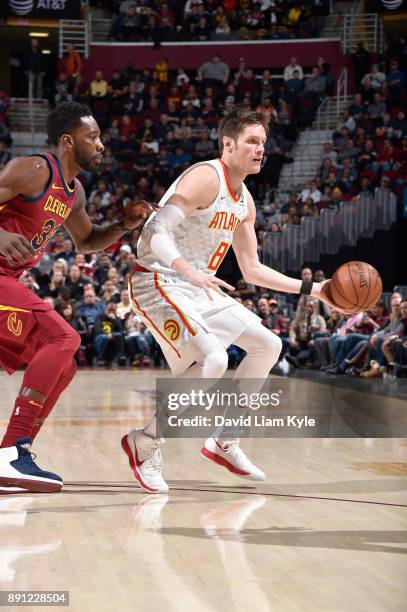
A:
x: 368, y: 344
x: 92, y: 295
x: 156, y: 123
x: 368, y: 148
x: 203, y: 20
x: 168, y: 121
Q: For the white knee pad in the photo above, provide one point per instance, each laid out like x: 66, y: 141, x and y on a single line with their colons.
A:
x: 259, y: 339
x: 210, y: 355
x: 263, y: 349
x: 269, y: 347
x: 273, y: 344
x: 214, y: 363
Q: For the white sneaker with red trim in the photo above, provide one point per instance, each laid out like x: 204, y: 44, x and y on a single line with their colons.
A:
x: 12, y: 490
x: 145, y: 460
x: 229, y: 454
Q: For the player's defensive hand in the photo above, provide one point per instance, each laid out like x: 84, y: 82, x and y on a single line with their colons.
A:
x: 15, y: 247
x: 135, y: 213
x: 207, y: 282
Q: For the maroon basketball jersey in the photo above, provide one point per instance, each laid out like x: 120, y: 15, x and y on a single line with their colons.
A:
x: 39, y: 218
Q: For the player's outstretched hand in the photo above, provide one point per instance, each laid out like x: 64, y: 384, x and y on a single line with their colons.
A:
x: 136, y: 212
x: 207, y: 282
x: 321, y: 291
x: 15, y: 247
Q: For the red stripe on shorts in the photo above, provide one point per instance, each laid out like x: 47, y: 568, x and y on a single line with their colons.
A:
x: 145, y: 315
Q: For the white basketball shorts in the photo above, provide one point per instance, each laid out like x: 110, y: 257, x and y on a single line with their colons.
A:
x: 174, y: 311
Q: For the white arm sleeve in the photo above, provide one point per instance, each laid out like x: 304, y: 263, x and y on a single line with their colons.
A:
x: 158, y: 233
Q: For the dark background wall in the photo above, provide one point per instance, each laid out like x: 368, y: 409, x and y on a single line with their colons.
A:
x: 264, y: 54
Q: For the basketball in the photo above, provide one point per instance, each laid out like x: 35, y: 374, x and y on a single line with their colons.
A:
x: 355, y: 286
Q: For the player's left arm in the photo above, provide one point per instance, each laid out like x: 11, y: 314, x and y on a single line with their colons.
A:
x: 89, y: 238
x: 253, y: 271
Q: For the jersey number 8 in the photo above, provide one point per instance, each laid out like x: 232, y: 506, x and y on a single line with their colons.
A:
x: 218, y: 256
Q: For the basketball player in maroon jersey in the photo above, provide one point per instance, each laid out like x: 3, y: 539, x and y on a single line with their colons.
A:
x: 38, y: 195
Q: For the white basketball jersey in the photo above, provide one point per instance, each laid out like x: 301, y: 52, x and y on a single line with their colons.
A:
x: 204, y: 237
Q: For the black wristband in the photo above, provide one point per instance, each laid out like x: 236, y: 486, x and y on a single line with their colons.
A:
x: 306, y: 288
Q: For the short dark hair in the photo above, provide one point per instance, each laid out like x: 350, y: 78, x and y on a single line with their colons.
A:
x: 236, y: 120
x: 60, y: 307
x: 383, y: 305
x: 64, y: 118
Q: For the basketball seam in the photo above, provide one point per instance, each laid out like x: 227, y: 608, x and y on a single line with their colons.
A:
x: 342, y: 296
x: 368, y: 291
x: 353, y: 284
x: 378, y: 280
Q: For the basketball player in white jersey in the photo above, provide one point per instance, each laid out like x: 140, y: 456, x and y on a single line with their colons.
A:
x: 175, y: 290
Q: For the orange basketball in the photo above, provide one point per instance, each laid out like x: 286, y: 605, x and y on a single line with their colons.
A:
x: 355, y: 286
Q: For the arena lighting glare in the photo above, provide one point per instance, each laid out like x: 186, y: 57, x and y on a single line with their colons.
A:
x: 39, y: 34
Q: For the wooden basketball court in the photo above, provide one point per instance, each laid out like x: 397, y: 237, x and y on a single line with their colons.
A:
x: 325, y: 532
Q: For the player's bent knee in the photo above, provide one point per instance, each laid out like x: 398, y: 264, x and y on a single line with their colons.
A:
x: 68, y: 341
x: 72, y: 342
x: 216, y: 363
x: 263, y: 341
x: 55, y: 330
x: 278, y: 344
x: 272, y: 345
x: 71, y: 369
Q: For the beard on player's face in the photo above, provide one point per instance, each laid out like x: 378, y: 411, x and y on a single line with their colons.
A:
x: 87, y: 161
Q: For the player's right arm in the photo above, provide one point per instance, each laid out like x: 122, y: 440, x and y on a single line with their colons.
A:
x: 21, y: 176
x: 196, y: 190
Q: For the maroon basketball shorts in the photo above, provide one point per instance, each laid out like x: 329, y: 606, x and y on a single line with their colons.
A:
x: 18, y: 340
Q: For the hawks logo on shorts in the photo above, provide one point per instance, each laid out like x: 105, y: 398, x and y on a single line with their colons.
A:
x: 14, y: 325
x: 172, y: 329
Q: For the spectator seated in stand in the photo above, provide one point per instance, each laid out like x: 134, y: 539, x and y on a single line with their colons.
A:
x: 304, y: 329
x: 375, y: 362
x: 108, y: 337
x: 140, y: 344
x: 355, y: 341
x: 88, y: 311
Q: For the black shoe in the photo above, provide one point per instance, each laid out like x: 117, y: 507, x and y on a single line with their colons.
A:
x: 326, y: 367
x: 336, y: 370
x: 292, y: 360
